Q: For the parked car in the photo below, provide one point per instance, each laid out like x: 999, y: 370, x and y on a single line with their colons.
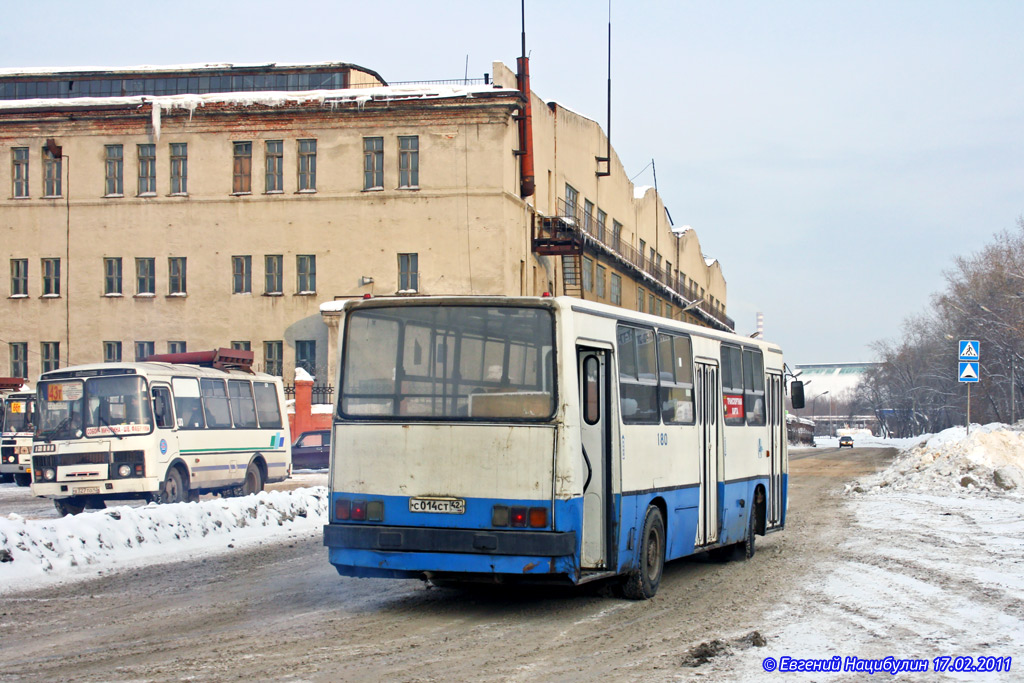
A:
x: 846, y: 441
x: 312, y: 450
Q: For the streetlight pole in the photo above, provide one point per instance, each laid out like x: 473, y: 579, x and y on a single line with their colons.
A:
x: 814, y: 408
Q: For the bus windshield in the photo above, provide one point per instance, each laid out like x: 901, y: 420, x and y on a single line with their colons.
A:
x: 449, y: 362
x: 98, y: 406
x: 18, y: 417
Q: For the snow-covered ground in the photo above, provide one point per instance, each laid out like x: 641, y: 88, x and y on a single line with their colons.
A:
x: 933, y: 567
x: 38, y: 552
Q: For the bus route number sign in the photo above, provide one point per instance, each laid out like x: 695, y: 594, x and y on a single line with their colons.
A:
x: 448, y: 506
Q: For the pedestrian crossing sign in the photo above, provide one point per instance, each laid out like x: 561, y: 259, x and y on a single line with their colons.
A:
x: 968, y: 372
x: 970, y: 349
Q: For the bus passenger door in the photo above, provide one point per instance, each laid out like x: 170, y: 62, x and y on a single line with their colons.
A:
x: 776, y: 442
x: 595, y: 437
x: 709, y: 398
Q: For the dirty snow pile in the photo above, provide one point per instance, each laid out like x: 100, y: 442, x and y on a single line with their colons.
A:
x: 989, y: 458
x: 48, y: 550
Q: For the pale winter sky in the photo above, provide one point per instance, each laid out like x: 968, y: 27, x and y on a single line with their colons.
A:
x: 834, y: 156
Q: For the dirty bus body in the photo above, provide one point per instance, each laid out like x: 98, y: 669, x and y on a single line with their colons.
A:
x: 540, y: 439
x: 17, y: 413
x: 161, y: 430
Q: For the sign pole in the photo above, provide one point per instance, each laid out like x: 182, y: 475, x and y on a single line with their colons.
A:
x: 968, y: 410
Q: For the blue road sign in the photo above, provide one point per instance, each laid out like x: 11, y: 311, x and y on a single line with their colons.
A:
x: 970, y: 349
x: 969, y: 372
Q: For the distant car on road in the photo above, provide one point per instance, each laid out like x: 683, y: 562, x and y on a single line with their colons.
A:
x: 843, y: 441
x: 312, y: 450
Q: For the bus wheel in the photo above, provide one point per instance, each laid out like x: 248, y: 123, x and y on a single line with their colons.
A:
x: 22, y: 478
x: 253, y: 480
x: 642, y: 583
x: 69, y: 506
x: 173, y: 488
x: 748, y: 541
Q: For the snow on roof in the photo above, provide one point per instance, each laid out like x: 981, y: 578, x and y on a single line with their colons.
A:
x: 710, y: 261
x: 359, y: 96
x: 156, y: 68
x: 640, y: 190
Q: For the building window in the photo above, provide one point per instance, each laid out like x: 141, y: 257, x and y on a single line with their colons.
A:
x: 273, y: 265
x: 668, y: 310
x: 177, y: 347
x: 588, y: 274
x: 275, y: 166
x: 571, y: 197
x: 19, y: 277
x: 114, y: 171
x: 650, y: 303
x: 241, y: 346
x: 616, y: 289
x: 176, y: 271
x: 616, y: 235
x: 241, y: 274
x: 145, y: 276
x: 588, y: 216
x: 111, y: 352
x: 52, y: 174
x: 305, y: 265
x: 179, y: 168
x: 305, y: 355
x: 643, y: 247
x: 147, y: 170
x: 657, y: 307
x: 19, y: 359
x: 601, y: 272
x: 51, y: 277
x: 641, y: 298
x: 144, y: 349
x: 307, y: 165
x: 19, y: 170
x: 112, y: 276
x: 50, y: 353
x: 273, y: 352
x: 242, y: 182
x: 408, y: 272
x: 408, y: 161
x: 373, y: 163
x: 602, y: 218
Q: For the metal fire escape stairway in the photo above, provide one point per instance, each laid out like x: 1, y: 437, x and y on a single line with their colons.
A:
x: 559, y: 236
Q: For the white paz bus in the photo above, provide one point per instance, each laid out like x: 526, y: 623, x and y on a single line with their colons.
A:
x: 17, y: 420
x: 548, y: 439
x: 164, y: 430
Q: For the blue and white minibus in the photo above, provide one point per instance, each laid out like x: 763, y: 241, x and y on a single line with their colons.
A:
x: 164, y: 430
x: 17, y: 420
x: 548, y: 439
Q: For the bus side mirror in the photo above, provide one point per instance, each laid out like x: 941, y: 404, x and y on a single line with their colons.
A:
x: 796, y: 394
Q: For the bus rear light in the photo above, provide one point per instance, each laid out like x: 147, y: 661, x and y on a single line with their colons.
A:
x: 375, y: 511
x: 538, y: 518
x: 518, y: 517
x: 342, y: 509
x: 499, y: 515
x: 359, y: 511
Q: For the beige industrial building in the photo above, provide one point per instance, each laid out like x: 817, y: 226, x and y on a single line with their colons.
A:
x: 183, y: 208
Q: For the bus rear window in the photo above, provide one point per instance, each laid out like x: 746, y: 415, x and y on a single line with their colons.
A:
x: 449, y: 362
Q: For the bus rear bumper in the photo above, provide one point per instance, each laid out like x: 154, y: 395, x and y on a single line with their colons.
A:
x: 412, y: 552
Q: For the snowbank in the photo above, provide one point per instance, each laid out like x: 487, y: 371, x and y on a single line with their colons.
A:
x: 990, y: 458
x: 35, y: 552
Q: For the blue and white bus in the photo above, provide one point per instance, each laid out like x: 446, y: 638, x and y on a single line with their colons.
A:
x: 548, y: 439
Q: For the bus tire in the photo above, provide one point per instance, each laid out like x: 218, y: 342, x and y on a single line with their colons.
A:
x: 69, y: 506
x: 172, y: 490
x: 22, y: 478
x: 748, y: 541
x: 642, y: 583
x: 253, y: 480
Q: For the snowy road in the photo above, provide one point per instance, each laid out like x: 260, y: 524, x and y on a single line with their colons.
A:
x: 278, y: 611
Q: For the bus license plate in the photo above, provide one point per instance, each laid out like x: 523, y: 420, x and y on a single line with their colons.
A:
x: 83, y: 490
x: 449, y: 506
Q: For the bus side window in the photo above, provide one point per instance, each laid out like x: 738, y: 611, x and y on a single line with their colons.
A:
x: 266, y: 405
x: 187, y: 404
x: 162, y: 408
